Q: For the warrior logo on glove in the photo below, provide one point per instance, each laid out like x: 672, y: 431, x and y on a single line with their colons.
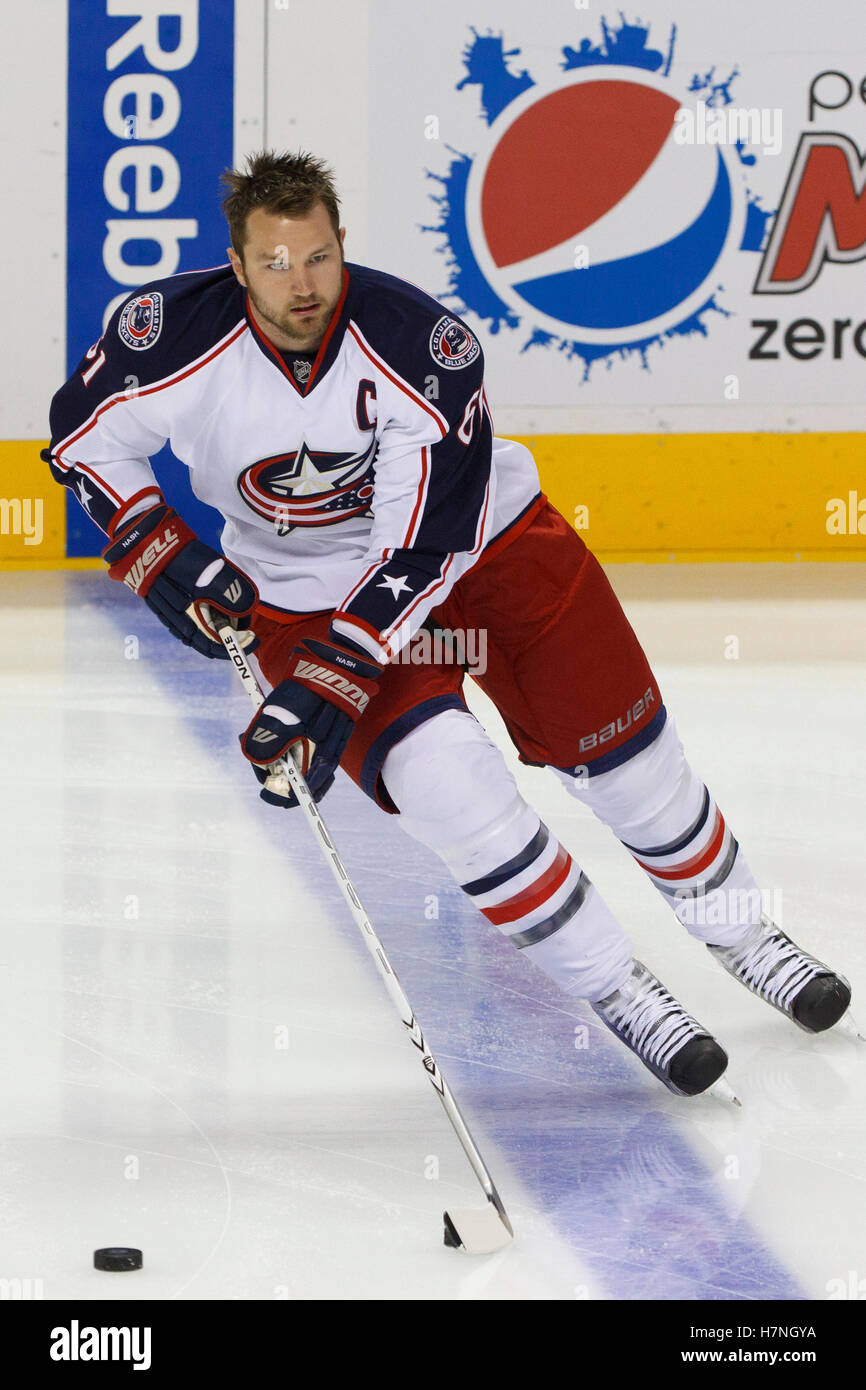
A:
x: 310, y: 716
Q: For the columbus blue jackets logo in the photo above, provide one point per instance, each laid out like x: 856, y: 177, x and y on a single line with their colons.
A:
x: 141, y: 320
x: 583, y: 221
x: 309, y: 487
x: 452, y: 345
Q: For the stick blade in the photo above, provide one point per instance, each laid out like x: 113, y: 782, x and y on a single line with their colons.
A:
x: 478, y: 1231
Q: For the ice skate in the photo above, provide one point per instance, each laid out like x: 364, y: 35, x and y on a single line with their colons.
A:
x: 670, y: 1043
x: 774, y: 967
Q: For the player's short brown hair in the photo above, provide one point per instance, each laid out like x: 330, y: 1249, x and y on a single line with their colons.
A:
x: 288, y: 183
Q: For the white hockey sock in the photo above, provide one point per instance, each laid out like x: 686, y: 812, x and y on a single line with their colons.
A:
x: 545, y: 904
x: 457, y: 796
x: 664, y: 815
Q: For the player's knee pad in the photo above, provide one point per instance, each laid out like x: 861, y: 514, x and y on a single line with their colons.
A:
x: 456, y: 795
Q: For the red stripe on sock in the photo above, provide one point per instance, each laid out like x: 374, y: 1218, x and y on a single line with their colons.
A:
x: 692, y: 867
x: 535, y: 895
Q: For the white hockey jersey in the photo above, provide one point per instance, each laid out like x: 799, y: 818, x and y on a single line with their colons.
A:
x: 367, y: 489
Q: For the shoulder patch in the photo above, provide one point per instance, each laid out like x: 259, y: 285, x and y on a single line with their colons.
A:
x: 140, y: 322
x: 452, y: 345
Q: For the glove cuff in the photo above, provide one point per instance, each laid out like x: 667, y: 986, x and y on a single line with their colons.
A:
x: 352, y: 662
x: 336, y: 674
x: 144, y: 549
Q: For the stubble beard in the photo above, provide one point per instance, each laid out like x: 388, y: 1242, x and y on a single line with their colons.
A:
x: 312, y: 339
x: 308, y: 342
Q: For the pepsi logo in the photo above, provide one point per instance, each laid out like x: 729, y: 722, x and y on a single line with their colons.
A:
x: 590, y: 220
x: 585, y: 221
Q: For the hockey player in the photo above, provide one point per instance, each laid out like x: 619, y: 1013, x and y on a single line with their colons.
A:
x: 336, y: 417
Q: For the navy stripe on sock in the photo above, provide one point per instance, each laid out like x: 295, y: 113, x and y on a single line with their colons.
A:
x: 676, y: 845
x: 514, y: 866
x: 542, y: 930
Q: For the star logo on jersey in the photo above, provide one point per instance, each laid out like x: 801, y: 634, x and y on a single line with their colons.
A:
x: 84, y: 497
x: 397, y: 584
x: 309, y: 487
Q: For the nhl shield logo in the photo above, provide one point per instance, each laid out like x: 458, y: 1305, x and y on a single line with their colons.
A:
x: 141, y: 321
x: 452, y: 345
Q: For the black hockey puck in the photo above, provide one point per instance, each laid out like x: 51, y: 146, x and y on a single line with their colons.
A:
x: 117, y: 1257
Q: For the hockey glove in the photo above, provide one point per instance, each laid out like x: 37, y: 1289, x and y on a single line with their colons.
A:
x: 310, y: 715
x: 180, y: 578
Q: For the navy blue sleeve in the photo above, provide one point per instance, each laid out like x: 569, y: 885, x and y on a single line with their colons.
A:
x: 433, y: 472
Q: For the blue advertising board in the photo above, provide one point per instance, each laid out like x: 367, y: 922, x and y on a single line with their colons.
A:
x: 150, y: 119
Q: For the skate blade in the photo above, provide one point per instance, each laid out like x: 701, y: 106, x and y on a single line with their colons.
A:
x: 724, y: 1091
x: 848, y: 1028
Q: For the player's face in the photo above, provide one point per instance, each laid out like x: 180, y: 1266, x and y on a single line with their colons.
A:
x: 293, y: 270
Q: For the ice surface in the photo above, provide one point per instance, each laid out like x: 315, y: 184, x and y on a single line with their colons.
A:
x: 198, y: 1057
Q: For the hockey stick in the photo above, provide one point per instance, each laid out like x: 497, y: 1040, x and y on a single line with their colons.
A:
x: 481, y: 1231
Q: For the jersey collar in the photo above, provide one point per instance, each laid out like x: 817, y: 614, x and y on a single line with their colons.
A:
x: 328, y: 349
